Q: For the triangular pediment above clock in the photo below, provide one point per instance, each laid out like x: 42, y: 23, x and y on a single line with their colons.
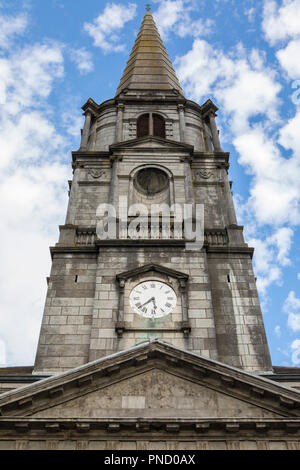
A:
x: 152, y: 142
x: 152, y: 380
x: 132, y: 273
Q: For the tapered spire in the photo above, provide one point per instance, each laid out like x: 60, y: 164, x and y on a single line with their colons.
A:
x: 149, y: 66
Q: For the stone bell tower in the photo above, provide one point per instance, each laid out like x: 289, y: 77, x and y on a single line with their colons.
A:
x: 150, y: 145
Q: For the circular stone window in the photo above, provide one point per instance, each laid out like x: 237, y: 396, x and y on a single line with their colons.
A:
x: 151, y: 181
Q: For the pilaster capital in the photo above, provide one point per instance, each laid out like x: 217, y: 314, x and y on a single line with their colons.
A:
x: 90, y: 107
x: 115, y: 158
x: 88, y: 113
x: 209, y: 109
x: 186, y: 159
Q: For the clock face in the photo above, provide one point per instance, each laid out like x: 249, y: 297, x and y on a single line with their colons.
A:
x: 153, y: 299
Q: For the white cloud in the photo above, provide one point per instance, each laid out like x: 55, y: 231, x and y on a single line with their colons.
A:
x: 28, y: 75
x: 271, y: 254
x: 291, y: 302
x: 281, y: 20
x: 2, y: 353
x: 82, y: 59
x: 245, y: 88
x: 289, y: 58
x: 295, y: 346
x: 274, y: 192
x: 277, y: 331
x: 33, y: 192
x: 11, y: 26
x: 250, y: 13
x: 283, y: 240
x: 174, y: 16
x: 72, y: 122
x: 241, y: 83
x: 106, y: 27
x: 289, y: 137
x: 27, y: 139
x: 294, y: 321
x: 292, y: 305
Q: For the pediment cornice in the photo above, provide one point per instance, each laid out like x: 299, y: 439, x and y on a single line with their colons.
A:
x: 151, y: 143
x: 250, y: 388
x: 152, y: 267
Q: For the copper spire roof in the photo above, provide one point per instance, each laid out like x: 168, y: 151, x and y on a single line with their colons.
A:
x: 149, y: 66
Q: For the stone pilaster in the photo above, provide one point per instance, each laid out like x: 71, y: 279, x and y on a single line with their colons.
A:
x: 215, y: 133
x: 119, y: 126
x: 86, y: 130
x: 181, y: 122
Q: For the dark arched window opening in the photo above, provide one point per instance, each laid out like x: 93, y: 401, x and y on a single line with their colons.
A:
x: 151, y: 124
x: 159, y: 126
x: 143, y: 125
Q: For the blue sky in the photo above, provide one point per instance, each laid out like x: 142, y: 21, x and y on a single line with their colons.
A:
x: 55, y: 54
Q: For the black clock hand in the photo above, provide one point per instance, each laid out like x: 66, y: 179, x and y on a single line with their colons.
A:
x: 145, y: 303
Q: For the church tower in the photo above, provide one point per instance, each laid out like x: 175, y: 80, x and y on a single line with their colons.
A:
x: 150, y: 146
x: 152, y: 336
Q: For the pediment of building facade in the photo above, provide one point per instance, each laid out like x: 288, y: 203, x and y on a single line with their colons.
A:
x: 153, y: 380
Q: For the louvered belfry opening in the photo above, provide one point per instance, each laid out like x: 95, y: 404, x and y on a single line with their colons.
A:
x: 151, y: 124
x: 159, y: 126
x: 143, y: 125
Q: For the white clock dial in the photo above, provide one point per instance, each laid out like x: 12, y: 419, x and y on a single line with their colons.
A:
x: 153, y: 299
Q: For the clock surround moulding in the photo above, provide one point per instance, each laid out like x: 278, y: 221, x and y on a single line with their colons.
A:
x: 175, y: 279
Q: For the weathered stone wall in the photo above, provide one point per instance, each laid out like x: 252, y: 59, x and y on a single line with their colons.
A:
x: 90, y: 187
x: 195, y: 133
x: 105, y: 130
x: 241, y: 339
x: 65, y: 332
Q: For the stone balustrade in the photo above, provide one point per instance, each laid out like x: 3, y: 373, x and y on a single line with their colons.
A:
x: 212, y: 237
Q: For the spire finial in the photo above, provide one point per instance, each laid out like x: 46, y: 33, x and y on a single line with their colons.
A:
x: 148, y: 6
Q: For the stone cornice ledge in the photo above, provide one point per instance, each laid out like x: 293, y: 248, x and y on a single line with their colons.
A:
x: 141, y: 242
x: 227, y: 250
x: 207, y: 426
x: 73, y: 249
